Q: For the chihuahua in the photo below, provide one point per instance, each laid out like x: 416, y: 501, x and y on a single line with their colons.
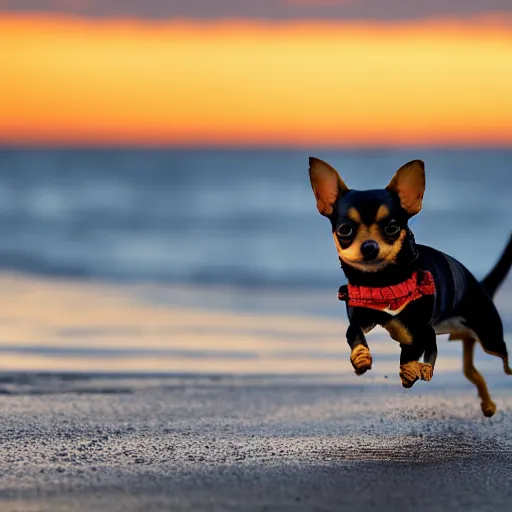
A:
x: 413, y: 291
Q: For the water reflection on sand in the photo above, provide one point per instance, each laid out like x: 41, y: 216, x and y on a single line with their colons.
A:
x: 63, y: 325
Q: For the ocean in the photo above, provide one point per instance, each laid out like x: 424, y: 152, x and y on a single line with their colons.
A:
x: 230, y: 231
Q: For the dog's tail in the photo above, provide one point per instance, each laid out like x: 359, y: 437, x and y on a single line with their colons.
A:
x: 492, y: 281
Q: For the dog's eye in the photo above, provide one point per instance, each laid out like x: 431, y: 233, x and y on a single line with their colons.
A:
x: 345, y: 231
x: 392, y: 228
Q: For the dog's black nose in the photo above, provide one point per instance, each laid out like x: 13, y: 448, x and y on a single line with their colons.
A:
x: 369, y: 250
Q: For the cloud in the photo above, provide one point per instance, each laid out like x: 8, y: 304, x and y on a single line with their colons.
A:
x: 263, y: 9
x: 317, y: 3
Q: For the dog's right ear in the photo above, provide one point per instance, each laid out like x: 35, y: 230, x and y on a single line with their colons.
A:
x: 327, y: 185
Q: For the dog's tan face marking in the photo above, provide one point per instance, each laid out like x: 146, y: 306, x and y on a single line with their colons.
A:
x: 382, y: 213
x: 388, y: 247
x: 354, y: 215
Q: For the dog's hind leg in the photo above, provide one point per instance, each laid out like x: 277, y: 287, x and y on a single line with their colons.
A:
x: 484, y: 324
x: 474, y: 376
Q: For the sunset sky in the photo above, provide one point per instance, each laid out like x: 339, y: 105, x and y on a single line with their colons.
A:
x: 289, y: 72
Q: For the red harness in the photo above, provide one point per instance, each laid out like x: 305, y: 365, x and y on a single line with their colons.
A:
x: 392, y: 298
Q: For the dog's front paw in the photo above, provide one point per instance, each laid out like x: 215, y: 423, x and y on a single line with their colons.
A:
x: 427, y: 371
x: 409, y: 373
x: 361, y: 359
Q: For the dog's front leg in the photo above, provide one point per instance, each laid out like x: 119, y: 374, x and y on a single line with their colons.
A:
x: 430, y: 356
x: 410, y: 367
x: 360, y: 356
x: 411, y: 370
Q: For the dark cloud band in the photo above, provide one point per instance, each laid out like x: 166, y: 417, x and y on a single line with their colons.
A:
x: 263, y: 9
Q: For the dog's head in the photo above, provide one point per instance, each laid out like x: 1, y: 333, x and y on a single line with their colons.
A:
x: 370, y: 227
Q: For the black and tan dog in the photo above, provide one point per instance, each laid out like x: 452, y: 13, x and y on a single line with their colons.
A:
x: 412, y: 290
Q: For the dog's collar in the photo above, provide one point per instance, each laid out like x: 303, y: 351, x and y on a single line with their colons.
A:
x: 390, y: 299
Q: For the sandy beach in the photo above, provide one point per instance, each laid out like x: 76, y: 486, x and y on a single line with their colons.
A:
x: 125, y: 443
x: 149, y: 398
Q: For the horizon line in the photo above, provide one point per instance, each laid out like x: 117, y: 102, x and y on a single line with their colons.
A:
x: 251, y: 147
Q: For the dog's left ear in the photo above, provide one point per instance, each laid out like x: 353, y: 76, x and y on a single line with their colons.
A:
x: 409, y: 183
x: 327, y: 185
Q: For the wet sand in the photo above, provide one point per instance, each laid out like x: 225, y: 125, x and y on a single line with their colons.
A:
x: 142, y: 443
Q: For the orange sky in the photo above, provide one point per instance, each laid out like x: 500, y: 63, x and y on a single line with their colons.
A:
x: 75, y: 81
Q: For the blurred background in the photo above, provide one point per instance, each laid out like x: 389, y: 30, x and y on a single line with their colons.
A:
x: 155, y: 208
